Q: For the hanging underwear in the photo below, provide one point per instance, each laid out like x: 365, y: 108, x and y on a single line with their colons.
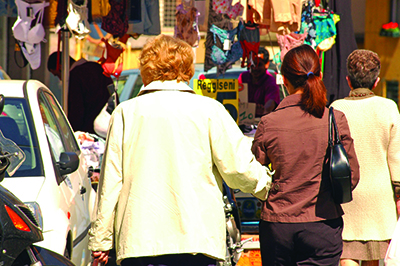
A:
x: 112, y: 59
x: 116, y: 21
x: 221, y: 6
x: 326, y: 29
x: 236, y: 10
x: 250, y: 42
x: 99, y: 9
x: 218, y: 56
x: 187, y: 25
x: 289, y: 41
x: 307, y: 25
x: 26, y: 29
x: 29, y: 31
x: 77, y: 20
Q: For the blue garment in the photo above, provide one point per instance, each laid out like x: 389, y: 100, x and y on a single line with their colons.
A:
x: 150, y: 19
x: 218, y: 56
x: 8, y: 8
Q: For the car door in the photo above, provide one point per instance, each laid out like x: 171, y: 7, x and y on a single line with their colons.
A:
x: 75, y: 186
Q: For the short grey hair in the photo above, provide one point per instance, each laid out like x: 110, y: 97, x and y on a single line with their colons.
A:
x: 363, y: 68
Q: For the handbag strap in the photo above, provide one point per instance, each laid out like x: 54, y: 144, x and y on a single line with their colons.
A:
x: 332, y: 121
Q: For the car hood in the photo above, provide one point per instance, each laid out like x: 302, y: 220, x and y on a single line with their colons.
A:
x: 25, y: 188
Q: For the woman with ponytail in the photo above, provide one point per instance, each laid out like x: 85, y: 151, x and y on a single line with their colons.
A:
x: 300, y: 223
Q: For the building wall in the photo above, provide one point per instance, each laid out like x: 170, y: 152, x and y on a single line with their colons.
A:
x: 378, y: 13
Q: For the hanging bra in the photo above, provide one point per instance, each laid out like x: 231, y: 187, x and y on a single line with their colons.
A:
x: 27, y: 13
x: 77, y: 20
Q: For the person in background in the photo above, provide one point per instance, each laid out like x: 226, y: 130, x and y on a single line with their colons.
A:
x: 87, y: 90
x: 167, y: 153
x: 300, y: 222
x: 262, y: 88
x: 374, y: 122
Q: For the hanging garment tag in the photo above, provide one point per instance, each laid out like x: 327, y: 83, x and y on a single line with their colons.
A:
x: 227, y: 44
x: 279, y: 79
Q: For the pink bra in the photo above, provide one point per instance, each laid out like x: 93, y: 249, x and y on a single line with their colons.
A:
x: 22, y: 29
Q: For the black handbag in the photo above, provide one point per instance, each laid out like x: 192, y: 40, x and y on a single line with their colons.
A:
x: 339, y: 167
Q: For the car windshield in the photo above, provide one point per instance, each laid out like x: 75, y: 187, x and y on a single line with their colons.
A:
x: 16, y: 124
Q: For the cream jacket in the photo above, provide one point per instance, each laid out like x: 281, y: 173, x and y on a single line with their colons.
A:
x: 160, y: 189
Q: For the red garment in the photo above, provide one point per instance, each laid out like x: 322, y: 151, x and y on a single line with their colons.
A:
x: 112, y: 59
x: 250, y: 51
x: 116, y: 21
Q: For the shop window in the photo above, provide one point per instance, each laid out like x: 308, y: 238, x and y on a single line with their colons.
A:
x: 392, y: 90
x: 168, y: 10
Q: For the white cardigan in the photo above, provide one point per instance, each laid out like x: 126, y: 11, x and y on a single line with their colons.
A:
x: 375, y: 127
x: 160, y: 189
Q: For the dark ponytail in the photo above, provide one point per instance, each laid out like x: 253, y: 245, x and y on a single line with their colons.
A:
x: 302, y: 68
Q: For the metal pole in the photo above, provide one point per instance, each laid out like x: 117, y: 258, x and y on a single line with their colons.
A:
x: 3, y: 38
x: 65, y: 69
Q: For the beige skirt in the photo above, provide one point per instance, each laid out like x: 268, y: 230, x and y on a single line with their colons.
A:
x: 364, y: 250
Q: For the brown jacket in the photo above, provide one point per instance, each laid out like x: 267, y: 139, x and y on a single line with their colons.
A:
x: 295, y: 144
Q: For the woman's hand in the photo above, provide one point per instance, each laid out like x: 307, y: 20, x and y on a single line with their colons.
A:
x: 398, y: 207
x: 100, y: 257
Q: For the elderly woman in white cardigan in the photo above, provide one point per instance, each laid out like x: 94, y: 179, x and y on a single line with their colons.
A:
x: 374, y: 122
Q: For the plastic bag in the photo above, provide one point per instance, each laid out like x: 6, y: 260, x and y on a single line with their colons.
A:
x: 392, y: 257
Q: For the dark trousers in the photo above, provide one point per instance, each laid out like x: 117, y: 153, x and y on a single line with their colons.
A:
x: 313, y: 243
x: 171, y: 260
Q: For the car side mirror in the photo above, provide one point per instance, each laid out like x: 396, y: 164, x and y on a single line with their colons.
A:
x: 1, y: 103
x: 69, y: 162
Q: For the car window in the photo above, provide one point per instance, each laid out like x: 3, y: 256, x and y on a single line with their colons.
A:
x: 136, y: 87
x: 120, y: 83
x: 52, y: 132
x: 125, y: 89
x: 16, y: 124
x: 60, y: 123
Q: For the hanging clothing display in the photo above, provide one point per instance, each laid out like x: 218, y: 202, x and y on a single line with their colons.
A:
x: 77, y: 20
x: 308, y: 25
x: 335, y: 70
x: 320, y: 26
x: 250, y: 42
x: 285, y: 16
x: 50, y: 14
x: 28, y: 30
x: 112, y: 58
x: 263, y: 9
x: 289, y: 41
x: 149, y: 23
x: 116, y: 21
x: 326, y: 26
x: 223, y: 22
x: 99, y: 9
x: 186, y: 23
x: 281, y: 16
x: 225, y: 7
x: 62, y: 13
x: 225, y: 38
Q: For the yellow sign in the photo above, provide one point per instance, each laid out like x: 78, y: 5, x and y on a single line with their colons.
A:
x: 223, y: 90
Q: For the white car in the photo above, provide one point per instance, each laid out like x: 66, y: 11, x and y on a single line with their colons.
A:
x: 53, y: 180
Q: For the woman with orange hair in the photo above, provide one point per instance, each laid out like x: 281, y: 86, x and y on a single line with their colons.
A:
x: 300, y: 222
x: 167, y: 154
